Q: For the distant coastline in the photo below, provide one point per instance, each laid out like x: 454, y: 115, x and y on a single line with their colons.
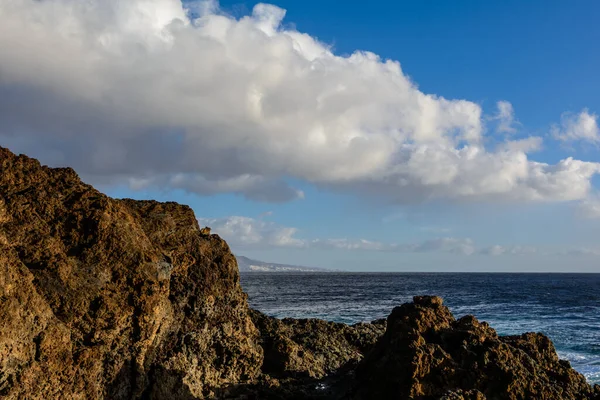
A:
x: 246, y: 264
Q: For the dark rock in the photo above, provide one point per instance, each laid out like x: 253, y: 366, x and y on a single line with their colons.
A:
x: 426, y: 354
x: 312, y: 347
x: 463, y: 395
x: 428, y: 301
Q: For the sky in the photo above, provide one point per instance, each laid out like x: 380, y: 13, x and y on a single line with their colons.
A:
x: 379, y: 136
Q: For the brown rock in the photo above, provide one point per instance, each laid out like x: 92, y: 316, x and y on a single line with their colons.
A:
x: 103, y: 298
x: 312, y: 347
x: 426, y: 354
x: 463, y: 395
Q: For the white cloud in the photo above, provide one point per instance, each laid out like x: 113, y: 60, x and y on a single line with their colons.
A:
x: 346, y: 244
x: 445, y: 245
x: 525, y: 145
x: 137, y: 92
x: 250, y: 232
x: 581, y: 251
x: 439, y: 245
x: 498, y: 250
x: 577, y: 127
x: 245, y: 232
x: 590, y: 208
x: 505, y: 117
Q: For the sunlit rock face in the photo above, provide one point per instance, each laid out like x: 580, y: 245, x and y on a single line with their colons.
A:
x: 104, y: 298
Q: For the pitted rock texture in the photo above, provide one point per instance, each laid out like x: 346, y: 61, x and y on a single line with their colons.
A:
x: 116, y: 299
x: 427, y: 354
x: 312, y: 347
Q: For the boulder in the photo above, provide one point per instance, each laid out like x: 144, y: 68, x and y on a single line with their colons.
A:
x: 426, y: 353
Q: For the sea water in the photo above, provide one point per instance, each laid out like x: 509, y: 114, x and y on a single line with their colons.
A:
x: 565, y: 307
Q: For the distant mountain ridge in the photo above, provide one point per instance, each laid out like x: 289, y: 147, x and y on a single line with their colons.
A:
x: 246, y: 264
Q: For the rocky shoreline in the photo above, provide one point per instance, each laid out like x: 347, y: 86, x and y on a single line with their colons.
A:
x: 120, y: 299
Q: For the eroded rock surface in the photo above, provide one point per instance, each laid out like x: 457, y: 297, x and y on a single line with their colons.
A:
x: 104, y: 298
x: 312, y: 347
x: 122, y: 299
x: 427, y: 354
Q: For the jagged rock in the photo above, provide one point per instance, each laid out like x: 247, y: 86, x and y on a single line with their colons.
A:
x: 426, y: 354
x: 312, y: 347
x: 463, y: 395
x: 103, y: 298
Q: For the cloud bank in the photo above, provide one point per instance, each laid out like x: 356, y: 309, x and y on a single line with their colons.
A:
x: 150, y: 93
x: 251, y: 233
x: 244, y: 233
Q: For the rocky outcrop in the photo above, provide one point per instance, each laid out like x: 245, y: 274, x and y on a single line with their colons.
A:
x: 118, y: 299
x: 122, y: 299
x: 311, y: 347
x: 426, y: 354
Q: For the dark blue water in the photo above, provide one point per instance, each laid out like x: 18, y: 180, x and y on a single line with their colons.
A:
x: 566, y: 307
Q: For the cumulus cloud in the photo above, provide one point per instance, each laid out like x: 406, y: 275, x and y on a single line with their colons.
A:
x: 148, y: 93
x: 525, y: 145
x: 505, y: 117
x: 250, y: 232
x: 577, y: 127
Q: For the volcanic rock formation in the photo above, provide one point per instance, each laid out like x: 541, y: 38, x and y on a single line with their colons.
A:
x: 121, y: 299
x: 115, y: 299
x: 427, y: 354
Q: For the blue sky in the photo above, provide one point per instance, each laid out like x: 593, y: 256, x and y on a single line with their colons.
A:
x: 450, y: 157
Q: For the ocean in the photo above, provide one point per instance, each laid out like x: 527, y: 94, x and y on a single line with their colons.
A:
x: 565, y: 307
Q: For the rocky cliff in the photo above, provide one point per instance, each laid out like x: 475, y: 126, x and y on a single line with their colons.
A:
x: 116, y: 299
x: 121, y: 299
